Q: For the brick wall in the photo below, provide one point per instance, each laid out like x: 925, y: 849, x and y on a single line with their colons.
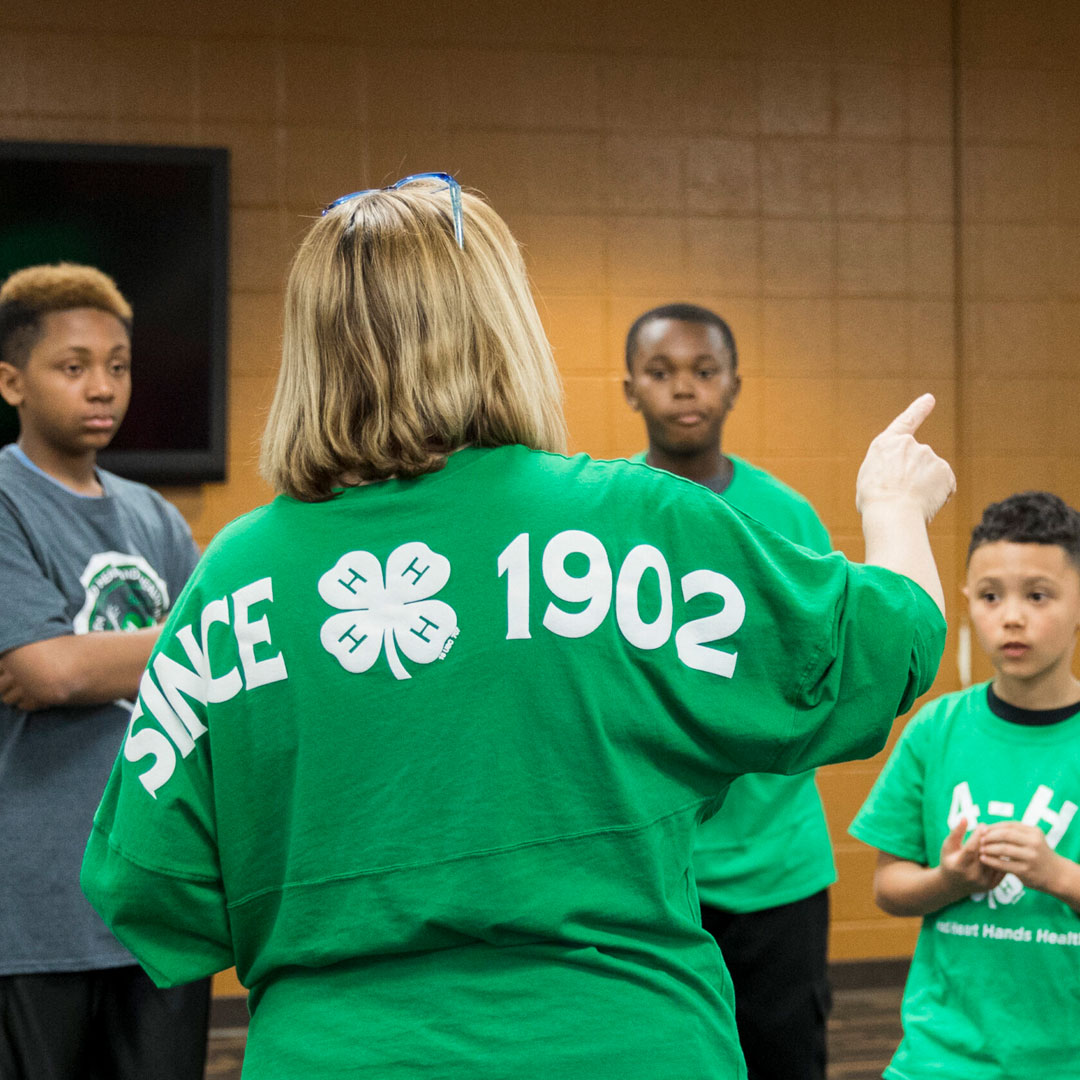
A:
x: 788, y: 162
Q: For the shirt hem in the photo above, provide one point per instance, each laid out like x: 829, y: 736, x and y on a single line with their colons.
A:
x: 773, y: 900
x: 66, y: 967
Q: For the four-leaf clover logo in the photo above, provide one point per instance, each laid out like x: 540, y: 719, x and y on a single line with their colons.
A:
x: 398, y: 613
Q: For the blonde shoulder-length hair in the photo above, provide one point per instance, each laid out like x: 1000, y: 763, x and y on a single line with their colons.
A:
x: 400, y: 347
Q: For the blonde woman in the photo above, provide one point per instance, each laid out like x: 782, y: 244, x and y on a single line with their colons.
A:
x: 423, y: 747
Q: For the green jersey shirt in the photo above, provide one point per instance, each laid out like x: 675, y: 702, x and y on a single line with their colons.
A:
x: 426, y: 761
x: 769, y: 843
x: 994, y: 987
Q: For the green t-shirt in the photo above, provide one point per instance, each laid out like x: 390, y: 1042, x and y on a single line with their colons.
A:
x: 769, y: 843
x: 994, y: 987
x: 425, y: 761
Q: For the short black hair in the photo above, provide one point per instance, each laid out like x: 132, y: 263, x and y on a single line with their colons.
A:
x: 30, y: 294
x: 1031, y: 517
x: 691, y: 313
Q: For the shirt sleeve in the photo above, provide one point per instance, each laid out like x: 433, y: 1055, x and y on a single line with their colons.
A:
x: 825, y: 653
x: 816, y: 536
x: 816, y: 655
x: 174, y: 920
x: 891, y: 819
x: 151, y: 867
x: 34, y: 608
x: 182, y: 550
x: 188, y: 550
x: 859, y: 682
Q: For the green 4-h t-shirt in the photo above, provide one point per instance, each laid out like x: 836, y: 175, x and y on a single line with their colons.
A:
x: 769, y: 843
x: 994, y: 987
x: 426, y: 761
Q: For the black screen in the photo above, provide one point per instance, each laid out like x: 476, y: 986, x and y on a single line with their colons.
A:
x: 155, y: 220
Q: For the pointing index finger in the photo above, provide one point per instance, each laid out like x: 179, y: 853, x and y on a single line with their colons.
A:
x: 907, y: 423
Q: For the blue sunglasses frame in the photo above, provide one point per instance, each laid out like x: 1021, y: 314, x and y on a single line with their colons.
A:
x: 446, y: 178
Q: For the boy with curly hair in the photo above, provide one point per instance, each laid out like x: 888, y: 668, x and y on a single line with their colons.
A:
x: 974, y: 820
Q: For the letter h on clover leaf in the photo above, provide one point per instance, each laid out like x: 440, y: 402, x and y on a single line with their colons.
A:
x: 396, y: 612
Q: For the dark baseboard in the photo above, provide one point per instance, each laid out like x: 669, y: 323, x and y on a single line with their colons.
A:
x: 868, y: 974
x: 228, y: 1012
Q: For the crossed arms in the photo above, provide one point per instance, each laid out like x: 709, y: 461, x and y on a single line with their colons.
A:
x: 76, y: 669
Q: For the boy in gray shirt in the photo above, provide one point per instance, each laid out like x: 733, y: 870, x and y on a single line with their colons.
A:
x: 89, y: 566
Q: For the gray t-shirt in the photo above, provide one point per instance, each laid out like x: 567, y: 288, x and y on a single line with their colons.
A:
x: 69, y: 564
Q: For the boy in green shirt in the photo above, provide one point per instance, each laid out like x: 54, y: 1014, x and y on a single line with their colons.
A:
x: 974, y: 814
x: 764, y: 862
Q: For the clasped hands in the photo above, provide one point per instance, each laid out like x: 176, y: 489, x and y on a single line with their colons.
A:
x: 992, y: 851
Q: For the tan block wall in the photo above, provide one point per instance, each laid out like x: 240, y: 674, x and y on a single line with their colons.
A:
x: 787, y: 162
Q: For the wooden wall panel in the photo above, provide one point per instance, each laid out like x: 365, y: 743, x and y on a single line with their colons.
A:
x: 790, y: 162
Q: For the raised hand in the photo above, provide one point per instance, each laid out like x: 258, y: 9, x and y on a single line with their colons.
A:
x: 899, y: 469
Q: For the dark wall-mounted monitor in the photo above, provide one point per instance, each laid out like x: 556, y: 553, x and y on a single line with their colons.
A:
x: 155, y: 219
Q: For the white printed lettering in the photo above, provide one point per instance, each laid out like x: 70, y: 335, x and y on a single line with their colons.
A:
x: 1039, y: 811
x: 160, y: 710
x: 963, y: 806
x: 593, y: 588
x: 692, y: 638
x: 514, y: 563
x: 144, y: 743
x: 1006, y: 933
x: 225, y: 686
x: 178, y: 684
x: 249, y: 634
x: 627, y: 612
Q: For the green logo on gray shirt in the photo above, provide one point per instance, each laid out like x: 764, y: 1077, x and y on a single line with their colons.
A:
x: 123, y: 592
